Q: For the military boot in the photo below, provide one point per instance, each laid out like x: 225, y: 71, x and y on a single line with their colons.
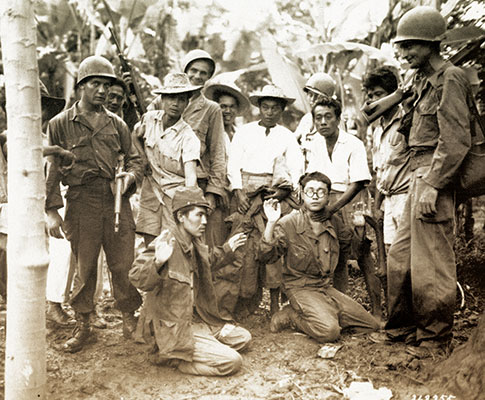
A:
x: 82, y: 334
x: 282, y: 319
x: 58, y: 316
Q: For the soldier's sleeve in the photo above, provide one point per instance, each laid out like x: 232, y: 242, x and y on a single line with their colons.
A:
x: 454, y: 131
x: 144, y: 274
x: 133, y: 159
x: 53, y: 192
x: 215, y: 136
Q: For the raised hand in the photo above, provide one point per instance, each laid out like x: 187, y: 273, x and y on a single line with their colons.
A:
x: 237, y: 241
x: 164, y: 245
x: 272, y: 210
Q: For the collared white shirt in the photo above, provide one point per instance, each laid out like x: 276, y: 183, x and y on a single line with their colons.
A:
x: 347, y: 165
x: 253, y: 151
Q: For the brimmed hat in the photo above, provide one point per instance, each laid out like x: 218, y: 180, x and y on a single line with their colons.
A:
x: 176, y: 82
x: 231, y: 89
x: 270, y: 91
x: 189, y: 196
x: 53, y: 104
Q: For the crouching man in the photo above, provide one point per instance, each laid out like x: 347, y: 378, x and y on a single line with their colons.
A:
x: 182, y: 324
x: 311, y: 249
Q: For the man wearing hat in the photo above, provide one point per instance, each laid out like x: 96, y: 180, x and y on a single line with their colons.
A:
x: 98, y: 139
x: 264, y: 159
x: 205, y: 118
x: 421, y: 262
x: 182, y: 324
x: 318, y: 85
x: 232, y: 103
x: 172, y: 150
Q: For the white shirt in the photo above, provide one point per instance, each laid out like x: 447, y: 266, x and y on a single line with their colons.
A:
x: 305, y: 126
x: 347, y: 165
x: 253, y: 152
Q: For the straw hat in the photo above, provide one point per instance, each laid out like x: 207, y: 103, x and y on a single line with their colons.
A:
x: 271, y: 91
x: 231, y: 89
x: 176, y: 82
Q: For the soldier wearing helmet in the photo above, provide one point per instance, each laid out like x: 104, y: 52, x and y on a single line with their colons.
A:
x: 421, y: 262
x: 205, y: 118
x: 99, y: 140
x: 317, y: 86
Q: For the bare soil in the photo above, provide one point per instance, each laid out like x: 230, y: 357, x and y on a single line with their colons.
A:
x: 276, y: 366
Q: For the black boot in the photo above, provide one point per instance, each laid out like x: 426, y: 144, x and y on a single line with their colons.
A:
x: 82, y: 334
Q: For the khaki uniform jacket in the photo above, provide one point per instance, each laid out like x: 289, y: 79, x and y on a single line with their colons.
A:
x: 177, y: 291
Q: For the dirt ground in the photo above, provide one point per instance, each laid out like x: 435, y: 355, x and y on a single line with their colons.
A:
x: 282, y: 366
x: 276, y: 366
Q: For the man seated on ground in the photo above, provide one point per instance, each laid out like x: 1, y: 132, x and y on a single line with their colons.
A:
x: 311, y: 249
x: 181, y: 323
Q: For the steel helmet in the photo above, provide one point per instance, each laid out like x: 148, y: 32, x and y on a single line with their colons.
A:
x: 95, y: 66
x: 421, y: 23
x: 320, y: 83
x: 198, y: 54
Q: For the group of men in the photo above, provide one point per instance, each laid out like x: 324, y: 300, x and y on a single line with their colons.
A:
x: 225, y: 210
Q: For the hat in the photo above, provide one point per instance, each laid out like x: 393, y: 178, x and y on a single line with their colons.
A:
x: 53, y: 104
x: 189, y: 196
x: 270, y: 91
x: 176, y: 82
x: 231, y: 89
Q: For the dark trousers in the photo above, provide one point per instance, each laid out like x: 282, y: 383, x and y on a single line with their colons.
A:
x: 89, y: 224
x: 421, y: 269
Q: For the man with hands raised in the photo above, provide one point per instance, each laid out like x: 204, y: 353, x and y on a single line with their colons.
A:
x: 311, y: 246
x: 181, y: 322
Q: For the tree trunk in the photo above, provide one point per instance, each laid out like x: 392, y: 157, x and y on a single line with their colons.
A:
x: 25, y: 369
x: 463, y: 372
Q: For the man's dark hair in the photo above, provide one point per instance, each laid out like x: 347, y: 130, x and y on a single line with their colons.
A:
x: 315, y: 176
x: 281, y: 102
x: 328, y: 102
x: 185, y: 211
x: 219, y: 93
x: 383, y: 77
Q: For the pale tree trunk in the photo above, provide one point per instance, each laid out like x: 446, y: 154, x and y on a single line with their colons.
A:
x: 25, y: 365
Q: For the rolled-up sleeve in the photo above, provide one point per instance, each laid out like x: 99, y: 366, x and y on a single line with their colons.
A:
x: 190, y: 147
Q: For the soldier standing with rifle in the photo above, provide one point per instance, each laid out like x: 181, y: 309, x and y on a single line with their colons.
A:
x: 421, y: 262
x: 96, y: 137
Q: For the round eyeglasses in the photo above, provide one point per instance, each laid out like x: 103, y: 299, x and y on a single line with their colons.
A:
x: 321, y: 193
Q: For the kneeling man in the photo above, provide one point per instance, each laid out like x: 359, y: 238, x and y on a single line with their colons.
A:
x: 182, y: 323
x: 311, y: 249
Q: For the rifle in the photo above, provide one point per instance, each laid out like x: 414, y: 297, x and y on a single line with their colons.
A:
x: 135, y: 93
x: 118, y: 192
x: 372, y: 111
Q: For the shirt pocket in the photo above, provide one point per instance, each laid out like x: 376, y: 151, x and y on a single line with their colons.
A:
x: 82, y: 149
x: 299, y: 257
x: 110, y: 138
x: 171, y: 165
x: 427, y: 118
